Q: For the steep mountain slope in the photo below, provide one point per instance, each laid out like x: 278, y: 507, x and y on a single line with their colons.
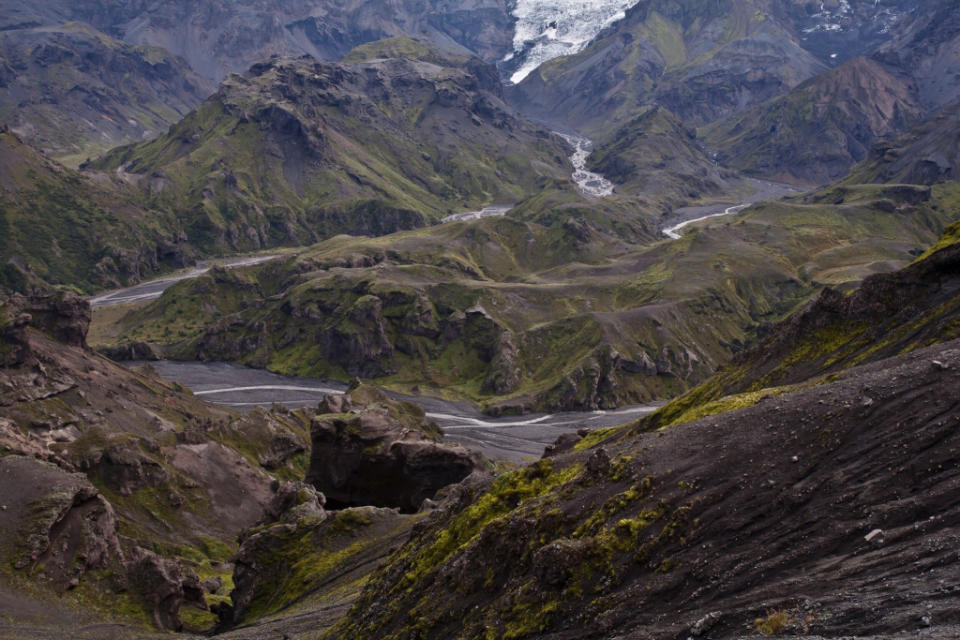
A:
x: 75, y: 92
x: 655, y: 156
x: 888, y: 315
x: 926, y: 49
x: 701, y: 60
x: 166, y: 481
x: 219, y: 38
x: 128, y: 502
x: 838, y: 30
x: 297, y: 150
x: 821, y: 512
x: 817, y: 131
x: 928, y: 154
x: 68, y: 228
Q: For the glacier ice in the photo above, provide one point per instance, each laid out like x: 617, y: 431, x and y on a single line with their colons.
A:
x: 548, y: 29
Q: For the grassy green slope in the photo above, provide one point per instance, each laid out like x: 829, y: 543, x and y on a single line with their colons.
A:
x: 888, y: 315
x: 74, y: 230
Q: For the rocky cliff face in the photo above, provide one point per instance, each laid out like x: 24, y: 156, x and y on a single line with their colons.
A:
x: 92, y: 447
x: 309, y: 556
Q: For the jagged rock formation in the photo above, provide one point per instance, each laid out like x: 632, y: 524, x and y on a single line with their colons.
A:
x: 173, y: 472
x: 56, y: 523
x: 369, y: 450
x: 164, y: 586
x: 365, y: 148
x: 310, y: 558
x: 64, y: 533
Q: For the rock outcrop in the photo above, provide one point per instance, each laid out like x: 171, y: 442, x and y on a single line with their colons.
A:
x: 59, y: 524
x: 164, y: 585
x: 310, y: 552
x: 380, y: 452
x: 172, y: 472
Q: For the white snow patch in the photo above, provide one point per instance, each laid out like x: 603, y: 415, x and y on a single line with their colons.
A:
x: 548, y: 29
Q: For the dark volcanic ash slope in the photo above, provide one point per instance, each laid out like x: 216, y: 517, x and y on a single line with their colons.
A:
x: 704, y: 528
x: 297, y: 150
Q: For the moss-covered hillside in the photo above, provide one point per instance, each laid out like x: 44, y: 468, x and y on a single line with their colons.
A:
x: 295, y: 151
x: 71, y: 229
x: 539, y: 310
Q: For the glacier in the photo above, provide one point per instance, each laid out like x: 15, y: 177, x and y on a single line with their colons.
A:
x: 548, y: 29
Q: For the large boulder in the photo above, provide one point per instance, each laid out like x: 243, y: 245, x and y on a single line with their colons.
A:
x: 381, y: 452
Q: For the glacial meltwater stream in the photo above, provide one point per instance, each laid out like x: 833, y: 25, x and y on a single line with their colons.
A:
x: 590, y: 183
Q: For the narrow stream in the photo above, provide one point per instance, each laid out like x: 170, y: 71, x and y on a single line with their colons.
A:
x: 673, y: 232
